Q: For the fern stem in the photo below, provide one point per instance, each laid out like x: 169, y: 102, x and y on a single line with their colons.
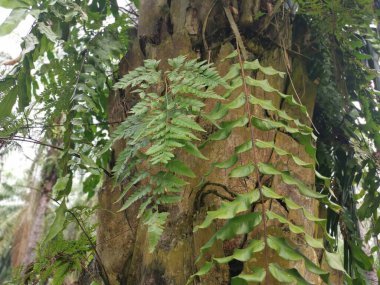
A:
x: 259, y: 183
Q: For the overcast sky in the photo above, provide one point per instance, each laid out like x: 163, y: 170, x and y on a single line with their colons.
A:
x: 16, y: 162
x: 10, y: 44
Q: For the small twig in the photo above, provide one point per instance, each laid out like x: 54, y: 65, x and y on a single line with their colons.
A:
x: 205, y: 25
x: 270, y: 16
x: 30, y: 140
x: 27, y: 124
x: 294, y: 88
x: 62, y: 125
x: 235, y: 29
x: 34, y: 141
x: 12, y: 61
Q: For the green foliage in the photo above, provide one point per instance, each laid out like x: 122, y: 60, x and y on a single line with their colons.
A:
x: 162, y: 122
x: 65, y: 252
x: 61, y: 83
x: 238, y: 221
x: 63, y: 80
x: 60, y: 87
x: 347, y: 147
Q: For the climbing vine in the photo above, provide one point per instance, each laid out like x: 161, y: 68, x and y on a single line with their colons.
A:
x: 164, y: 121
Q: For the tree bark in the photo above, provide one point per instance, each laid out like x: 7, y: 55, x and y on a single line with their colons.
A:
x: 200, y: 28
x: 31, y: 227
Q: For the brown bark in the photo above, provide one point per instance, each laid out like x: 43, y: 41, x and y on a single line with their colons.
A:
x: 170, y: 28
x: 30, y: 230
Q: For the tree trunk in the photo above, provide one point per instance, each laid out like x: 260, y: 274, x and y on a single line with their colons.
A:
x: 31, y: 227
x: 200, y: 28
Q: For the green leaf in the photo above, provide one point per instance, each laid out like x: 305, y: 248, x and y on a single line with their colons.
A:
x: 187, y: 123
x: 242, y: 171
x: 244, y: 147
x: 304, y: 190
x: 334, y: 261
x: 11, y: 4
x: 228, y: 210
x: 258, y: 276
x: 265, y: 104
x: 269, y: 193
x: 207, y: 266
x: 265, y: 85
x: 283, y: 249
x: 286, y: 275
x: 217, y: 113
x: 240, y: 122
x: 140, y: 176
x: 180, y: 168
x: 143, y: 207
x: 232, y: 55
x: 227, y: 163
x: 60, y: 185
x: 287, y: 178
x: 221, y: 134
x: 58, y: 224
x: 269, y: 169
x: 233, y: 72
x: 361, y: 257
x: 137, y: 195
x: 12, y: 21
x: 293, y: 228
x: 90, y: 184
x: 316, y: 243
x: 238, y: 102
x: 376, y: 229
x: 166, y: 199
x: 254, y: 65
x: 7, y: 102
x: 193, y: 149
x: 282, y: 152
x: 48, y: 32
x: 88, y: 161
x: 155, y: 223
x: 238, y: 225
x: 264, y: 124
x: 290, y: 204
x: 243, y: 254
x: 60, y: 273
x: 23, y: 84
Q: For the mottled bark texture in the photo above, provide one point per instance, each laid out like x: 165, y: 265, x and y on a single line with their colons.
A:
x: 199, y: 28
x: 30, y: 229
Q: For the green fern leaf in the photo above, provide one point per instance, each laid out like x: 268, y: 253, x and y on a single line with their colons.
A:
x: 138, y: 194
x: 155, y: 222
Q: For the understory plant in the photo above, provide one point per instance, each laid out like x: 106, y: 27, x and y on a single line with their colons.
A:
x: 169, y: 118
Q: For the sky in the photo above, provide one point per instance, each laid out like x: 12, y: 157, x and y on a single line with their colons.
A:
x: 10, y: 44
x: 16, y: 162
